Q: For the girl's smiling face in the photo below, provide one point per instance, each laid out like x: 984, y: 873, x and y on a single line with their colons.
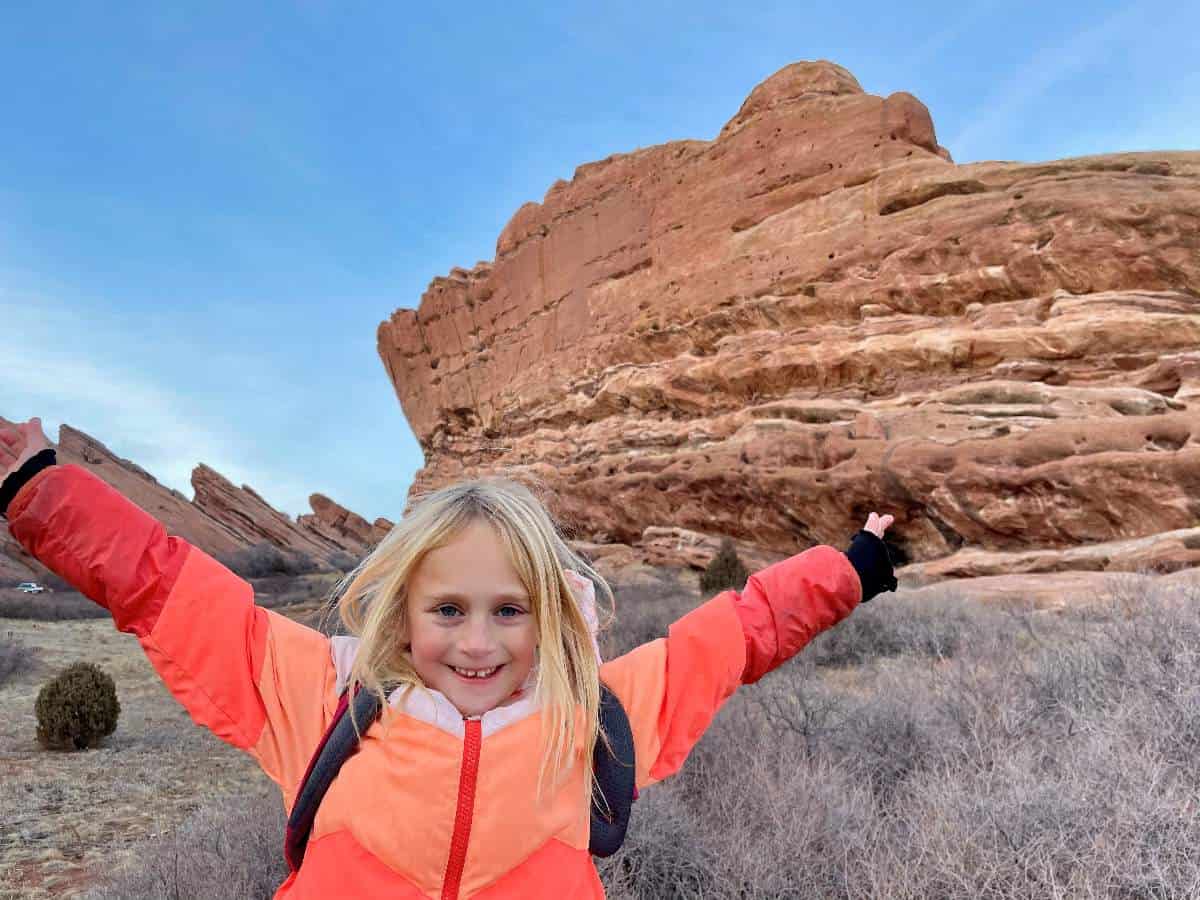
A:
x: 470, y: 621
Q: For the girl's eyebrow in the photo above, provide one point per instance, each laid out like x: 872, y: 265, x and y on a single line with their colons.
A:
x: 451, y: 596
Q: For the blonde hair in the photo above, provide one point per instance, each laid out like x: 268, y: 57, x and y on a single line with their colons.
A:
x: 373, y: 606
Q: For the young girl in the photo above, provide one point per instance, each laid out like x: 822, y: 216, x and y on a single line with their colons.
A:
x: 476, y: 782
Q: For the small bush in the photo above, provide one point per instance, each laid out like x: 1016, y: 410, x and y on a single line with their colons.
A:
x: 77, y: 709
x: 300, y: 564
x: 15, y: 658
x: 725, y: 571
x: 265, y: 559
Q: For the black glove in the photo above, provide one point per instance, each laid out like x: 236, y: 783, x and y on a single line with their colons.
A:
x: 869, y: 556
x: 16, y: 480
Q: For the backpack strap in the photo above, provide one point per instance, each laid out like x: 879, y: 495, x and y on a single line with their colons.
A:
x: 338, y: 744
x: 614, y: 772
x: 615, y: 777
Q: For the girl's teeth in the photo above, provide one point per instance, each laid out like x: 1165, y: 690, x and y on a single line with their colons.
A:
x: 475, y: 673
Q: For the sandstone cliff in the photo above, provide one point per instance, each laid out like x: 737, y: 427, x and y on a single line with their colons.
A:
x: 817, y: 314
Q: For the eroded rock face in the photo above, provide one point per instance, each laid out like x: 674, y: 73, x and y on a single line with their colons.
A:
x: 336, y: 524
x: 1070, y: 588
x: 330, y: 529
x: 254, y: 520
x: 818, y: 314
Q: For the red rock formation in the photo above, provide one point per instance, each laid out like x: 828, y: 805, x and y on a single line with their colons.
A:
x: 818, y: 314
x: 333, y: 523
x: 251, y: 518
x: 1164, y: 551
x: 1057, y: 590
x: 678, y: 546
x: 178, y: 515
x: 222, y: 519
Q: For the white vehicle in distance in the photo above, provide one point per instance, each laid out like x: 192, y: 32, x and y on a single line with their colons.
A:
x: 30, y: 587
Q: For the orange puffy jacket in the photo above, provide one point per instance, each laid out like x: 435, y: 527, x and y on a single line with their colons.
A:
x: 434, y: 805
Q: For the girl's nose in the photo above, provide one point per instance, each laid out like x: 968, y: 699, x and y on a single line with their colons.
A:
x: 477, y: 638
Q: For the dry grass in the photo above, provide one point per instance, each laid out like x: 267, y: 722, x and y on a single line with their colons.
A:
x: 933, y: 750
x: 219, y: 853
x: 1051, y: 756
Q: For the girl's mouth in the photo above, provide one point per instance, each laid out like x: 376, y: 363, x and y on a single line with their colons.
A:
x: 477, y: 676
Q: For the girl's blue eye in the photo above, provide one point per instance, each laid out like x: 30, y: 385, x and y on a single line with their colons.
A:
x: 441, y: 611
x: 513, y: 612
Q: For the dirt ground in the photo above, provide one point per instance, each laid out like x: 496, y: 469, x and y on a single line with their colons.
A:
x: 66, y: 818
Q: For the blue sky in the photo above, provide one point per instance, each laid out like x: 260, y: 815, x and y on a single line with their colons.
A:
x: 206, y: 209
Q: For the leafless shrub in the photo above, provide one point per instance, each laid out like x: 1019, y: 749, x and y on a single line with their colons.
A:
x: 342, y: 561
x: 664, y: 855
x: 1051, y: 756
x: 644, y: 610
x: 895, y: 627
x: 49, y: 607
x: 265, y: 559
x: 800, y: 705
x: 15, y: 658
x: 229, y: 851
x: 271, y: 592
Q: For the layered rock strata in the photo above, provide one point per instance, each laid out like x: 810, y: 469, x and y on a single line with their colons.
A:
x: 244, y: 512
x: 342, y: 527
x: 817, y: 314
x: 221, y: 519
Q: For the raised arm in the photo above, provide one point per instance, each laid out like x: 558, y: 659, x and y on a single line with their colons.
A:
x: 255, y: 678
x: 672, y: 687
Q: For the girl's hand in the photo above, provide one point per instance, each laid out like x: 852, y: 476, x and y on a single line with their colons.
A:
x: 19, y: 443
x: 877, y: 524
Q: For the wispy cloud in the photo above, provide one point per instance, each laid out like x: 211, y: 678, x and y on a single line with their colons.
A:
x: 1034, y: 79
x: 66, y: 369
x: 950, y: 32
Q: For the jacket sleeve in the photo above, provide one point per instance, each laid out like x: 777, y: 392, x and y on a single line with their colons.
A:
x: 672, y: 687
x: 256, y: 679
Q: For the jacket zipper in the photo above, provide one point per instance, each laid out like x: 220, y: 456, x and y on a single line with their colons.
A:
x: 466, y: 808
